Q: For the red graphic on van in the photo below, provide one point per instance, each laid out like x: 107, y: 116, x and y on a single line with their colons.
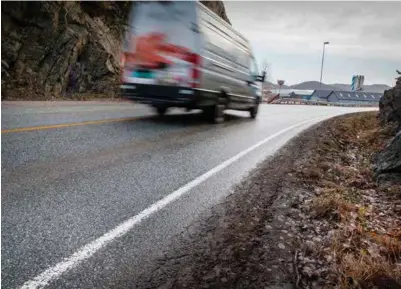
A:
x: 152, y: 51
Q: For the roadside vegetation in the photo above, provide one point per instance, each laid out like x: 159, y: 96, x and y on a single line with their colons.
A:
x: 361, y: 217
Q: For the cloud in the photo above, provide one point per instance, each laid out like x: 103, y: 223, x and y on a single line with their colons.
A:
x: 364, y: 37
x: 357, y: 29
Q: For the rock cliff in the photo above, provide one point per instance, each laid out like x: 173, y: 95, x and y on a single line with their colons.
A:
x: 387, y: 162
x: 58, y: 48
x: 218, y: 8
x: 390, y: 105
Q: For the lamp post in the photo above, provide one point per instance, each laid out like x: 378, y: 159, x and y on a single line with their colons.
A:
x: 321, y: 69
x: 280, y: 83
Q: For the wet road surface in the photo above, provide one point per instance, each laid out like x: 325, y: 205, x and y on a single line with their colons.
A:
x: 94, y: 191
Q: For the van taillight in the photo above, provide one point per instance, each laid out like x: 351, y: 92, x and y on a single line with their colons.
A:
x: 195, y: 71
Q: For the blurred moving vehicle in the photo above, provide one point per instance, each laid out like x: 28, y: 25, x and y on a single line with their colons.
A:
x: 181, y: 54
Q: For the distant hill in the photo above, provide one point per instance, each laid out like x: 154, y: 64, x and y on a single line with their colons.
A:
x: 312, y: 85
x: 275, y: 85
x: 341, y: 86
x: 380, y: 88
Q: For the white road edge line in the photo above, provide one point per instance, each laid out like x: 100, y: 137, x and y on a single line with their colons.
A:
x: 90, y: 249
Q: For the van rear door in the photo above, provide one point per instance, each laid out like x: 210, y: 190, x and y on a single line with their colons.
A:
x: 162, y: 46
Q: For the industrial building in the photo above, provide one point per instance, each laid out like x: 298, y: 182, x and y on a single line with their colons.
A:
x: 350, y: 97
x: 335, y: 96
x: 354, y: 97
x: 320, y: 95
x: 301, y: 94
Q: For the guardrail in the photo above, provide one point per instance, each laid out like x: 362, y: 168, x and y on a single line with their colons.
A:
x: 295, y: 101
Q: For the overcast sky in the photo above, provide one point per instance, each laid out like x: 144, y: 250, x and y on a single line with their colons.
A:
x: 365, y: 38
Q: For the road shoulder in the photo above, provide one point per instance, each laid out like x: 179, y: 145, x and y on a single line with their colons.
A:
x: 266, y: 234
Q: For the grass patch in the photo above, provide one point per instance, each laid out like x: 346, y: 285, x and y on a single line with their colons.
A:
x: 365, y: 217
x: 363, y: 271
x: 332, y: 205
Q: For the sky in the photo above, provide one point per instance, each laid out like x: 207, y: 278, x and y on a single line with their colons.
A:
x: 365, y: 38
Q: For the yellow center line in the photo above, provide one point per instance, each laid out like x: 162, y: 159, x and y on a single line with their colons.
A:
x: 54, y: 126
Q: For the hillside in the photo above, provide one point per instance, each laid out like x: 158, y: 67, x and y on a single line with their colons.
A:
x: 370, y: 88
x: 312, y: 85
x: 380, y: 88
x: 55, y: 49
x: 272, y: 85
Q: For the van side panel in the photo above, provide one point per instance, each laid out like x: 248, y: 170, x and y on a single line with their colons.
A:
x: 225, y: 60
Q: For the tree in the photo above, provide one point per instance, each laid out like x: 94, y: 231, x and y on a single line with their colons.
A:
x: 265, y: 68
x: 264, y: 75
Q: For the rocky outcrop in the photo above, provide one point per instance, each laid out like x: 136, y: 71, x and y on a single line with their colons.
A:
x: 387, y: 162
x: 54, y: 48
x: 218, y: 8
x: 49, y: 48
x: 390, y: 105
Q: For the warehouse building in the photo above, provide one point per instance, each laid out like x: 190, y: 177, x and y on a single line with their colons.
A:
x: 349, y: 97
x: 354, y: 97
x: 320, y: 94
x: 301, y: 94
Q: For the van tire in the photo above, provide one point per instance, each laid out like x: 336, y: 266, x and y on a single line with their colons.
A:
x: 161, y: 110
x: 253, y: 111
x: 215, y: 113
x: 224, y: 99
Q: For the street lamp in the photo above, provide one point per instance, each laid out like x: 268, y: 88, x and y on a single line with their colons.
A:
x: 321, y: 69
x: 280, y: 83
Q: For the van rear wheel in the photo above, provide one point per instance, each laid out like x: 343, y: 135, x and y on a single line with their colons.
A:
x: 215, y: 113
x: 254, y: 111
x: 161, y: 110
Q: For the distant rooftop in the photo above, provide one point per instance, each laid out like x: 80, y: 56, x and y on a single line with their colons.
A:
x: 322, y: 93
x: 358, y: 95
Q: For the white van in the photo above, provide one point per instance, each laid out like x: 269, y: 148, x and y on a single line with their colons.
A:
x: 181, y: 54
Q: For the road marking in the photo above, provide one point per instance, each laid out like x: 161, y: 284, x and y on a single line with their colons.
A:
x: 76, y: 109
x: 90, y: 249
x: 54, y: 126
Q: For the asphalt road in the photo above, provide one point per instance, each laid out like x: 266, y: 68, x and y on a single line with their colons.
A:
x: 92, y: 193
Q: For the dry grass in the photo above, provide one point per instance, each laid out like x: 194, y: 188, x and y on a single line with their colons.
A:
x: 363, y: 271
x: 341, y: 172
x: 332, y: 204
x: 390, y: 244
x: 365, y: 261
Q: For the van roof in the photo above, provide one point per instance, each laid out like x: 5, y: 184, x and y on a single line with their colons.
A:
x: 223, y: 22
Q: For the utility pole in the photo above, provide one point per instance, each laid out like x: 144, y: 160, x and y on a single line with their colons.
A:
x: 321, y: 69
x: 280, y: 83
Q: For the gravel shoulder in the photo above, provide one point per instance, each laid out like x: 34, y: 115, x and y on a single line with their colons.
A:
x: 268, y: 234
